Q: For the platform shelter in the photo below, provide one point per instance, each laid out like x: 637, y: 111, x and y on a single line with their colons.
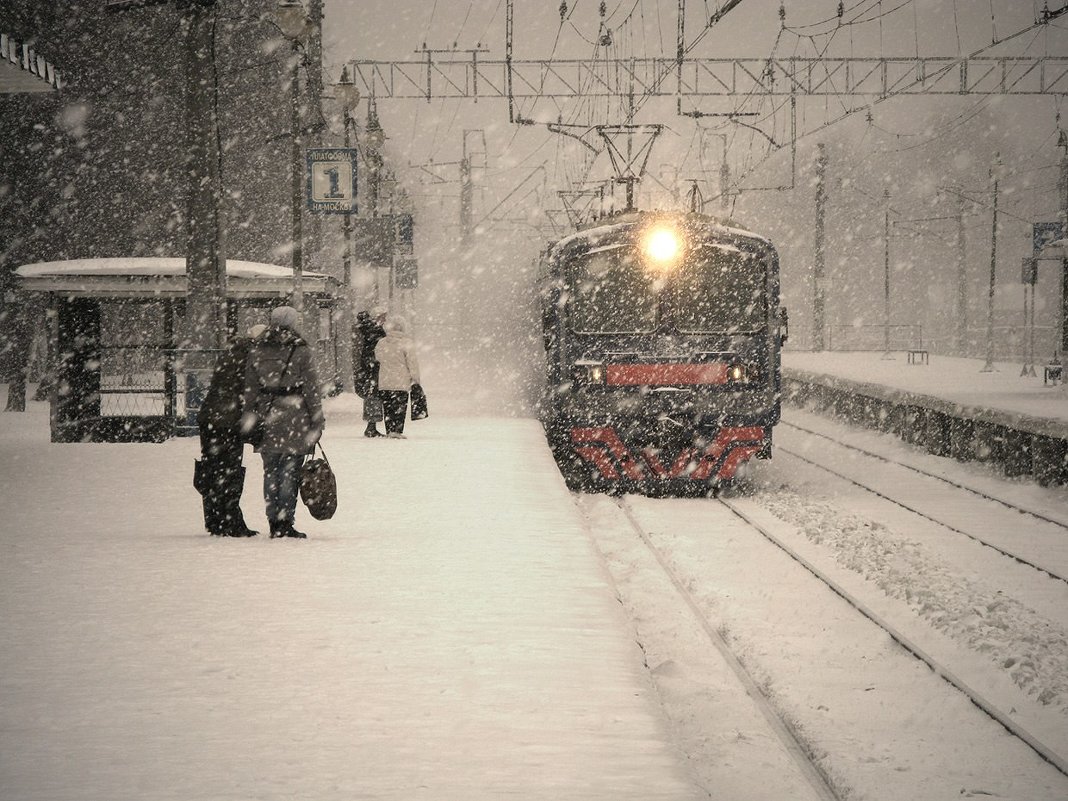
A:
x: 115, y: 339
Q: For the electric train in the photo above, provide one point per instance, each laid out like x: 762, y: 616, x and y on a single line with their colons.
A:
x: 662, y: 335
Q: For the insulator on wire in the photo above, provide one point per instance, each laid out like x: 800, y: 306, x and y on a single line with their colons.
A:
x: 782, y: 12
x: 841, y: 9
x: 604, y: 9
x: 563, y: 9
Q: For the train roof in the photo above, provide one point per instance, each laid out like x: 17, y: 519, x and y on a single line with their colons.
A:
x: 606, y: 227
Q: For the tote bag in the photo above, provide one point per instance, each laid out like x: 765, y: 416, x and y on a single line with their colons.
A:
x: 419, y: 410
x: 318, y: 487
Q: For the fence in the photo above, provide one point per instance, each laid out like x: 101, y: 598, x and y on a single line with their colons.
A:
x: 874, y: 337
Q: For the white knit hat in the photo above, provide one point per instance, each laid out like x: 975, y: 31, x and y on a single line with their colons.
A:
x: 286, y: 317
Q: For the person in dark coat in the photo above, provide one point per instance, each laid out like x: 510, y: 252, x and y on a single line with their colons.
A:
x: 282, y: 390
x: 367, y: 333
x: 220, y: 476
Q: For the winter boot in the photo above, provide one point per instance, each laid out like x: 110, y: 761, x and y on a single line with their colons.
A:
x: 287, y: 530
x: 230, y: 492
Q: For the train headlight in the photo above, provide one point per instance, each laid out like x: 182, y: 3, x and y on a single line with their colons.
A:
x: 590, y: 374
x: 663, y: 247
x: 738, y: 373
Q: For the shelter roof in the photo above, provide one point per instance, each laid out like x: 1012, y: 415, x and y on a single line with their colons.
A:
x: 162, y: 276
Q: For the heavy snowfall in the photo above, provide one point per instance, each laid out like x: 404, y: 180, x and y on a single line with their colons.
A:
x: 855, y: 618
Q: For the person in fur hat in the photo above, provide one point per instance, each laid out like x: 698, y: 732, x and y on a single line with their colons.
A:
x: 282, y: 390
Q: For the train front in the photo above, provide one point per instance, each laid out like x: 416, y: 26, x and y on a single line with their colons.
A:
x: 662, y: 335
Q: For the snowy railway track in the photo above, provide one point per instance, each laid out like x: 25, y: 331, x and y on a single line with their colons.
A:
x: 795, y: 747
x: 1052, y: 573
x: 1002, y: 717
x: 824, y: 676
x: 926, y: 473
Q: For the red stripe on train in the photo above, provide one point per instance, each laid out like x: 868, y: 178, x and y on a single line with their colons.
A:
x: 618, y: 375
x: 603, y: 448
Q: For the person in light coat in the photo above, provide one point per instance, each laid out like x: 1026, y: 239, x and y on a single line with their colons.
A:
x: 398, y: 369
x: 282, y: 390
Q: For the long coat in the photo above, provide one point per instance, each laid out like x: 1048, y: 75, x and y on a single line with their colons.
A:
x: 398, y: 367
x: 222, y: 406
x: 366, y: 335
x: 287, y: 398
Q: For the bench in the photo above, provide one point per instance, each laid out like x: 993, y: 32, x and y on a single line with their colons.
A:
x: 917, y: 356
x: 1052, y: 374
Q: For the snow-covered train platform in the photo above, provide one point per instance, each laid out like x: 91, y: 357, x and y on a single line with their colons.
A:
x: 451, y: 633
x: 951, y: 406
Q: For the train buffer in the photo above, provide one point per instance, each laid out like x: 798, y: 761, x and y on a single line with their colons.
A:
x: 917, y: 356
x: 1052, y: 374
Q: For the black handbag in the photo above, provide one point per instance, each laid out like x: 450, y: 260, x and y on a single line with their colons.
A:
x: 318, y: 487
x: 419, y: 410
x: 201, y: 479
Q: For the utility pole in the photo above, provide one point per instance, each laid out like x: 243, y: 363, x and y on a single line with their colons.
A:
x: 205, y: 259
x: 1062, y: 190
x: 466, y: 199
x: 725, y: 184
x: 989, y: 366
x: 818, y: 297
x: 296, y: 188
x: 886, y: 274
x: 962, y: 279
x: 205, y: 264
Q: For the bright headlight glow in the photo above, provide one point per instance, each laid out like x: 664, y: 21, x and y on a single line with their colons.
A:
x: 663, y: 246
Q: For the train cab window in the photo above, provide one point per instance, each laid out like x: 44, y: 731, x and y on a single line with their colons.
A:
x: 720, y: 289
x: 611, y: 293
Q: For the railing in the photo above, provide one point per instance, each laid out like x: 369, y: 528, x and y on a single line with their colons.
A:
x: 874, y: 337
x: 133, y: 382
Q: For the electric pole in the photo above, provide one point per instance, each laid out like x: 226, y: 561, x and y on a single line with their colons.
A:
x: 818, y: 297
x: 962, y: 280
x: 205, y: 264
x: 886, y: 273
x: 1062, y: 190
x: 989, y: 366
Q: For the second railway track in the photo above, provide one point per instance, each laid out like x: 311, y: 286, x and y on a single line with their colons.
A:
x: 820, y: 774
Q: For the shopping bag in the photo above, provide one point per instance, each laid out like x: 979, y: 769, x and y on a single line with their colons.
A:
x: 201, y: 477
x: 373, y: 410
x: 318, y: 487
x: 419, y: 410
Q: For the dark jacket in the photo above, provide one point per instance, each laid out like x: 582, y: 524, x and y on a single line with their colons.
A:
x: 366, y: 334
x: 287, y: 398
x: 223, y: 404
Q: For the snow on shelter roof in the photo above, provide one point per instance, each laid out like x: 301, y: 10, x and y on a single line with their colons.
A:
x: 132, y: 277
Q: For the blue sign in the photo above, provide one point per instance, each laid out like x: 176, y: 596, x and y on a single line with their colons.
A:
x: 1045, y: 232
x: 332, y: 180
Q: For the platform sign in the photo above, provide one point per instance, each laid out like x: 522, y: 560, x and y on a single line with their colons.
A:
x: 332, y: 180
x: 1045, y: 232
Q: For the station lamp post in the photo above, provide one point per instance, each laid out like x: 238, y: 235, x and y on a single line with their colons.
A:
x: 348, y: 96
x: 374, y: 139
x: 292, y: 21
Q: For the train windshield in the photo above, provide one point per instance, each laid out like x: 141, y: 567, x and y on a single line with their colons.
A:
x: 720, y: 289
x: 611, y: 293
